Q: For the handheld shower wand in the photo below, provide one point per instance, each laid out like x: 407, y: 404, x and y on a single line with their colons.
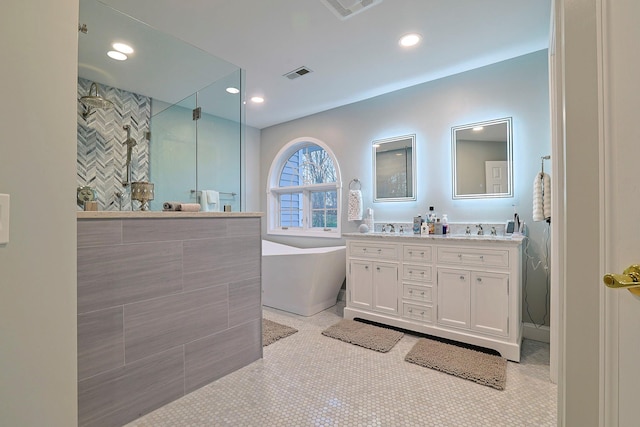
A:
x: 130, y: 143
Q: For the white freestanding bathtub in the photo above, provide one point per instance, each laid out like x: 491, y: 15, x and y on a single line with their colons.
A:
x: 303, y: 281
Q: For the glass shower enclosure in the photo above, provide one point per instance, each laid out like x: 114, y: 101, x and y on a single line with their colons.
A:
x: 182, y: 109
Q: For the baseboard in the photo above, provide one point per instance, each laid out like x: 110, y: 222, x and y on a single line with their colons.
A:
x: 342, y: 295
x: 536, y: 333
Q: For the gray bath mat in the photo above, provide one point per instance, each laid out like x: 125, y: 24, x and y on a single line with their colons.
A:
x: 365, y: 335
x: 273, y: 331
x: 483, y: 368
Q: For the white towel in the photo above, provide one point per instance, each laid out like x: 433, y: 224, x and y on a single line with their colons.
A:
x: 355, y: 205
x: 546, y: 196
x: 210, y: 201
x: 541, y: 197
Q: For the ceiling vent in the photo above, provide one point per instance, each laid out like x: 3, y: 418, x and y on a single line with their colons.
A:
x: 344, y: 9
x: 297, y: 73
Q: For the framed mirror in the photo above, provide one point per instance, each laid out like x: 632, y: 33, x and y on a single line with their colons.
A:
x: 482, y: 160
x: 394, y: 167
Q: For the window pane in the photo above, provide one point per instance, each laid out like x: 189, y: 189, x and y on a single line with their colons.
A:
x: 332, y: 199
x: 332, y: 219
x: 316, y: 166
x: 291, y: 210
x: 317, y: 200
x: 317, y: 219
x: 290, y: 175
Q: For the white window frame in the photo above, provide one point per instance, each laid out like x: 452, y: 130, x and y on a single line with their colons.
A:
x: 274, y: 190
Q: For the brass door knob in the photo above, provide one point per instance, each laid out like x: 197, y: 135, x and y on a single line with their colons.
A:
x: 629, y: 279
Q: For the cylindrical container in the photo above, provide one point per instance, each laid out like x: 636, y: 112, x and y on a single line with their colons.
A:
x: 445, y: 224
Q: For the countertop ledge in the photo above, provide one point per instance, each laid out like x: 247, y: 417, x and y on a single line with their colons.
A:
x: 164, y: 214
x: 507, y: 240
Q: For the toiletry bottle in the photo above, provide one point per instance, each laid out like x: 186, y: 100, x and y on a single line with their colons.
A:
x: 438, y: 226
x: 417, y: 222
x: 445, y: 224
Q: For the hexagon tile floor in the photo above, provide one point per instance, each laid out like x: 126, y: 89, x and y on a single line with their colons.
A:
x: 308, y: 379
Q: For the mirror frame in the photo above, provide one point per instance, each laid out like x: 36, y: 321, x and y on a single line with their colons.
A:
x: 509, y: 142
x: 375, y: 144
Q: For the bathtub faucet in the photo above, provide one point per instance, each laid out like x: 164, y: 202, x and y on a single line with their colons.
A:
x: 392, y: 229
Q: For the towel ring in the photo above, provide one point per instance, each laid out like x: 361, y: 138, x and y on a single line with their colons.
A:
x: 357, y: 182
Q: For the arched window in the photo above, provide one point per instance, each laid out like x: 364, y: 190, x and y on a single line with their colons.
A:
x: 304, y: 190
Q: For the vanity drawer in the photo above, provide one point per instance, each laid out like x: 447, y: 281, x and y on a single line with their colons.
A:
x: 417, y: 253
x: 473, y: 257
x: 418, y: 312
x: 373, y: 250
x: 418, y: 273
x: 417, y: 293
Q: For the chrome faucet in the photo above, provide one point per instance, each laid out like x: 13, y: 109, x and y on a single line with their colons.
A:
x: 392, y: 229
x: 480, y: 230
x: 493, y: 231
x: 467, y: 231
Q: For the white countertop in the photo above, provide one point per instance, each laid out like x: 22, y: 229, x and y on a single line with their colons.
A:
x: 438, y: 238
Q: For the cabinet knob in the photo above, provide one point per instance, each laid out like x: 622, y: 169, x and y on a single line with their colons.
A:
x: 410, y: 291
x: 482, y: 257
x: 366, y: 267
x: 410, y: 271
x: 378, y: 268
x: 460, y: 256
x: 461, y: 277
x: 410, y: 252
x: 364, y: 249
x: 411, y: 310
x: 422, y: 313
x: 422, y: 272
x: 422, y: 293
x: 421, y: 253
x: 379, y: 250
x: 479, y: 279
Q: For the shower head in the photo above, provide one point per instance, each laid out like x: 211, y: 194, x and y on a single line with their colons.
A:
x: 94, y: 101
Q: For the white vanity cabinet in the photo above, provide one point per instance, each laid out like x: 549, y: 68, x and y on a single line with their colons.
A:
x: 463, y: 289
x: 373, y: 282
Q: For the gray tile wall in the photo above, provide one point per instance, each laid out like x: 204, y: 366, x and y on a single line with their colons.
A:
x: 165, y: 306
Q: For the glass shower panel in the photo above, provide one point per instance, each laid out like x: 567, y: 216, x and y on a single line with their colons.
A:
x: 219, y: 140
x: 173, y: 152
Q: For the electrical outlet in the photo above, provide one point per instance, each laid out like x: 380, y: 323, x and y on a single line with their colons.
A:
x: 4, y: 219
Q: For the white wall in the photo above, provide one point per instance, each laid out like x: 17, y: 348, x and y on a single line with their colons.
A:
x: 517, y: 88
x: 38, y: 169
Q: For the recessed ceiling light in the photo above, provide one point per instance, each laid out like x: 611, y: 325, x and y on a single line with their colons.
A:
x: 257, y: 99
x: 409, y: 40
x: 124, y: 48
x: 477, y: 128
x: 233, y: 90
x: 119, y: 56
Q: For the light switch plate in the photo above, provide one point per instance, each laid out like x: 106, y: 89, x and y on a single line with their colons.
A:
x: 4, y: 219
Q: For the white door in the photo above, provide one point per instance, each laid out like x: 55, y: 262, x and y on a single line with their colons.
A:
x: 621, y: 33
x: 385, y: 287
x: 454, y: 297
x: 360, y: 284
x: 490, y: 303
x: 496, y: 176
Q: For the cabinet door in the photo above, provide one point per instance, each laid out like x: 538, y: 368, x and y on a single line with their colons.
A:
x: 385, y: 287
x: 454, y: 297
x: 490, y: 303
x: 361, y: 283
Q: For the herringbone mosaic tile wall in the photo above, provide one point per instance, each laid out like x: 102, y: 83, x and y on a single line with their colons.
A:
x: 101, y: 152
